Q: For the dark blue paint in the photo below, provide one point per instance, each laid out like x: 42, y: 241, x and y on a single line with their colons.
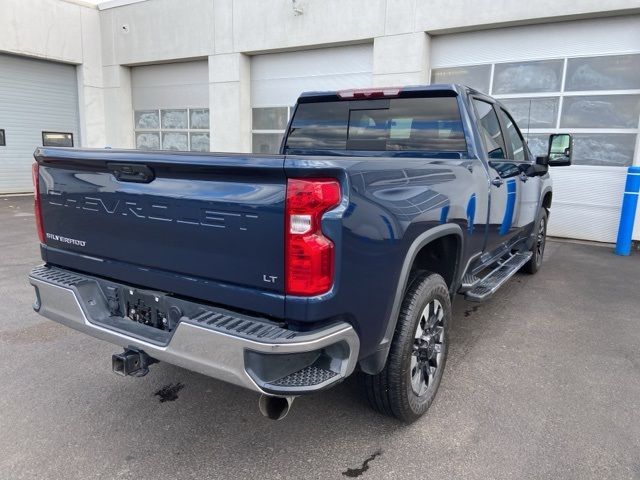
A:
x: 210, y: 230
x: 210, y: 226
x: 397, y: 201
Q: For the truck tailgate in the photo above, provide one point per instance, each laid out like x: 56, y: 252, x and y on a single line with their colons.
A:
x: 210, y: 226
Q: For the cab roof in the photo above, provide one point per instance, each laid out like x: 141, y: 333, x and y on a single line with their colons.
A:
x: 439, y: 89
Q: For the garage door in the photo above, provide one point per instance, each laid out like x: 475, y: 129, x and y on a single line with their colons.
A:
x: 277, y: 79
x: 562, y: 78
x: 38, y: 101
x: 171, y: 106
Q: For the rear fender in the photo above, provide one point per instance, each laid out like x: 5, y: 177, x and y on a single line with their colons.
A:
x: 375, y: 363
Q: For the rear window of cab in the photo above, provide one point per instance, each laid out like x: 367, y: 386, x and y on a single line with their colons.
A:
x: 424, y: 124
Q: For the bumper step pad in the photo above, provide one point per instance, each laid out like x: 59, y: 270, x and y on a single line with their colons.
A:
x: 306, y: 377
x: 56, y: 276
x: 244, y: 327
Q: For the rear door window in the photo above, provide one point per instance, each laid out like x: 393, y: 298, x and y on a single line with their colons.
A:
x: 490, y: 129
x: 514, y: 137
x: 426, y: 124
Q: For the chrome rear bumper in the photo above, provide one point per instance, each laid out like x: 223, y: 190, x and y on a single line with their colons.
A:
x: 287, y: 363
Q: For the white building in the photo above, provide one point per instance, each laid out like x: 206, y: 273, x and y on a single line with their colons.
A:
x: 223, y: 75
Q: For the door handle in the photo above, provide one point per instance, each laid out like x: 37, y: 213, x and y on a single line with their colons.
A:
x: 523, y: 177
x: 497, y: 182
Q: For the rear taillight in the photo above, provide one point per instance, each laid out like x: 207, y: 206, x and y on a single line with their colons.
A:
x: 309, y: 255
x: 35, y: 173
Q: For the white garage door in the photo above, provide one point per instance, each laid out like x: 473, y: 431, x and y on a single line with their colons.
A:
x: 277, y: 79
x: 579, y: 77
x: 171, y: 106
x: 38, y: 101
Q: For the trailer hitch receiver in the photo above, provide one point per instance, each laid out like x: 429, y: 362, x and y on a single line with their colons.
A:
x: 131, y: 362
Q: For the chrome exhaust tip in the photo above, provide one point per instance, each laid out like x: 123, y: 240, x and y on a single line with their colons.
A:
x: 275, y: 408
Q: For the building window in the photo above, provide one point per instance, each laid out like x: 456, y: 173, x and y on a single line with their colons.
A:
x: 475, y: 76
x: 597, y: 99
x: 3, y: 143
x: 57, y: 139
x: 613, y: 72
x: 527, y: 77
x: 181, y: 129
x: 541, y: 112
x: 268, y: 125
x: 600, y: 111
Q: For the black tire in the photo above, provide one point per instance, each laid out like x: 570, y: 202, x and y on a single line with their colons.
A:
x: 393, y: 391
x: 539, y: 243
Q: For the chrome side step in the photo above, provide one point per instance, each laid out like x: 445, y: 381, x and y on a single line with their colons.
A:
x: 489, y: 284
x: 469, y: 281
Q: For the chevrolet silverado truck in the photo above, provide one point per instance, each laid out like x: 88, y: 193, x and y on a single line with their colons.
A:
x: 287, y: 273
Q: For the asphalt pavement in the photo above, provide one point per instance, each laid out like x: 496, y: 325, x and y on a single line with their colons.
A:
x: 542, y: 381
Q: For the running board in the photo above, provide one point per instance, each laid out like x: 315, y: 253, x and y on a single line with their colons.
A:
x: 488, y: 285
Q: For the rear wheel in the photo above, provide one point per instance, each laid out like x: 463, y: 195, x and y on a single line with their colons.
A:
x: 410, y: 379
x: 534, y: 264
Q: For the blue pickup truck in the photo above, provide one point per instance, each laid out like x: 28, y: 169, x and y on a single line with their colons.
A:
x: 287, y: 273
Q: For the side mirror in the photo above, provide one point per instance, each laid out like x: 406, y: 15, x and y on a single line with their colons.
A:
x: 560, y: 150
x: 542, y: 160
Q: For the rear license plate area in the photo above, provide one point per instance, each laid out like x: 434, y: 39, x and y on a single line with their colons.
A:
x: 147, y: 309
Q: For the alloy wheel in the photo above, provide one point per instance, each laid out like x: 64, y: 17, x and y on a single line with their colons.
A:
x: 541, y: 240
x: 428, y: 347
